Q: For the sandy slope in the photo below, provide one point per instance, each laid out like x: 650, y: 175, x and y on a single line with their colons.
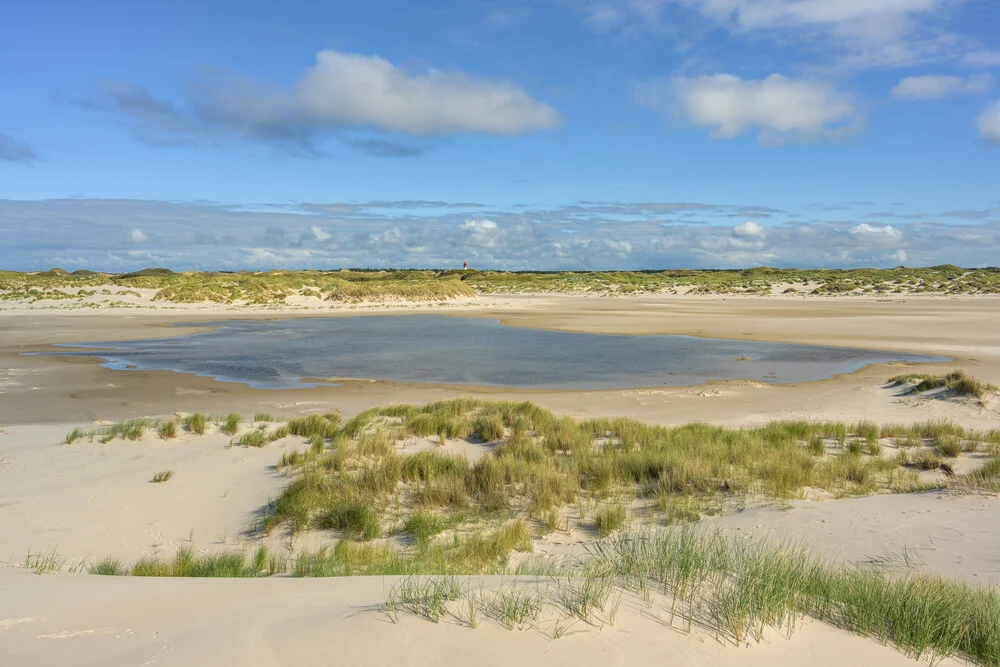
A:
x: 130, y: 622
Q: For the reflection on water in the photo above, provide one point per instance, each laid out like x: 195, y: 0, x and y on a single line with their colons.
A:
x: 456, y: 350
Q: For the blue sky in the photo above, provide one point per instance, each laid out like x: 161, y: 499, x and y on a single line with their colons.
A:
x: 535, y: 134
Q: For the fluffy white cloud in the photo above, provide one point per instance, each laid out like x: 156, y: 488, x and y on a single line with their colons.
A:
x: 934, y: 86
x: 342, y: 91
x: 781, y: 109
x: 479, y: 233
x: 750, y: 229
x: 370, y: 91
x: 989, y: 124
x: 137, y: 236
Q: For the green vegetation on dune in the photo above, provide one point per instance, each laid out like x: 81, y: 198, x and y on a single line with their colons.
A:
x: 358, y: 285
x: 186, y: 563
x: 356, y: 481
x: 957, y: 382
x: 741, y: 587
x: 416, y: 514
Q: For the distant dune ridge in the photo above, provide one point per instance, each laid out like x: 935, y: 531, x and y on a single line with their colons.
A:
x: 314, y: 288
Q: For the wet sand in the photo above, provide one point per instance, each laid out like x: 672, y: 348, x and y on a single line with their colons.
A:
x: 39, y: 389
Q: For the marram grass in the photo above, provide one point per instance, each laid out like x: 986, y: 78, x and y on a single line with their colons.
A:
x: 740, y: 587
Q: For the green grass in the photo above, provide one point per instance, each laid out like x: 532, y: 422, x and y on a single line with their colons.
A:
x: 609, y: 519
x: 546, y: 463
x: 132, y: 429
x: 514, y: 607
x: 360, y: 285
x: 489, y: 427
x: 164, y: 476
x: 320, y: 426
x: 187, y: 563
x: 957, y: 382
x: 355, y: 517
x: 987, y: 477
x: 74, y: 435
x: 424, y: 596
x: 263, y: 417
x: 255, y: 438
x: 473, y: 553
x: 740, y: 587
x: 196, y: 423
x: 108, y: 567
x: 167, y: 430
x: 231, y: 423
x: 44, y: 562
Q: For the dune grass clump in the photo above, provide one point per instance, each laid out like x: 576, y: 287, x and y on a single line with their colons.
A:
x: 323, y: 426
x: 986, y: 477
x: 514, y: 607
x: 161, y: 477
x: 231, y: 423
x: 355, y: 517
x: 263, y: 417
x: 187, y: 563
x: 255, y: 438
x: 425, y: 597
x: 740, y: 587
x: 74, y: 435
x: 167, y: 430
x: 132, y: 429
x: 44, y: 562
x: 609, y: 519
x: 489, y: 427
x: 475, y: 553
x: 196, y: 423
x: 108, y: 567
x: 957, y: 382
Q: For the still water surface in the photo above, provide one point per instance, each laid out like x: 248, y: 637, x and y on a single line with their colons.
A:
x: 455, y: 350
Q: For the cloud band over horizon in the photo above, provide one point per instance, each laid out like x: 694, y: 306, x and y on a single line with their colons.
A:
x: 124, y: 235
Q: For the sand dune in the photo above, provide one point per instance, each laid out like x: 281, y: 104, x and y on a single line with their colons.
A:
x: 88, y: 500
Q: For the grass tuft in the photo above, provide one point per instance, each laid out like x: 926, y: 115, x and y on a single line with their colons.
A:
x: 168, y: 430
x: 231, y: 423
x: 196, y: 423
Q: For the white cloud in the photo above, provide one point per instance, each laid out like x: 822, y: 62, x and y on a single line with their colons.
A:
x: 982, y: 58
x: 342, y: 91
x: 137, y: 236
x: 782, y: 110
x: 989, y: 124
x: 749, y: 229
x: 90, y: 235
x: 877, y: 233
x: 863, y: 33
x: 618, y: 248
x: 479, y: 233
x: 370, y: 91
x: 935, y: 86
x: 318, y: 233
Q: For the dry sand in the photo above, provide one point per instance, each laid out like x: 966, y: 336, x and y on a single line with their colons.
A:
x: 90, y: 500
